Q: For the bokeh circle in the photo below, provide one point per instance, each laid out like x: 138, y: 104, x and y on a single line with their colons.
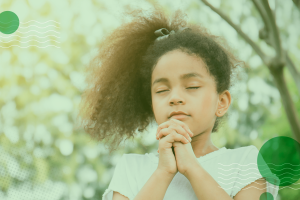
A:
x: 266, y: 196
x: 279, y: 159
x: 9, y: 22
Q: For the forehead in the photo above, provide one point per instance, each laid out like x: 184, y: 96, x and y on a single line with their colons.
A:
x: 177, y: 63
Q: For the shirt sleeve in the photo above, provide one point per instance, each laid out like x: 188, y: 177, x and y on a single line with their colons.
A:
x: 122, y: 181
x: 248, y: 172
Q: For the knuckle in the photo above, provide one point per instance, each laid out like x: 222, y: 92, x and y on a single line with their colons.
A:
x: 182, y: 131
x: 172, y: 126
x: 180, y: 124
x: 170, y: 129
x: 185, y: 126
x: 174, y: 133
x: 161, y: 132
x: 175, y: 126
x: 161, y: 125
x: 179, y: 130
x: 164, y: 132
x: 182, y: 127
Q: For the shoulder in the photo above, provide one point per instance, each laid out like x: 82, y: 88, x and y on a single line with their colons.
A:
x: 238, y: 158
x: 137, y: 166
x: 130, y: 166
x: 135, y: 161
x: 245, y: 151
x: 137, y: 158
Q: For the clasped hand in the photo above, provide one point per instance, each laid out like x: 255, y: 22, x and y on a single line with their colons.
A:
x: 184, y: 154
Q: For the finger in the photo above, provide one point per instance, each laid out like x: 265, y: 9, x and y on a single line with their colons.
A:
x: 165, y: 124
x: 164, y: 132
x: 174, y: 121
x: 162, y: 125
x: 179, y: 138
x: 178, y: 129
x: 169, y: 134
x: 166, y: 142
x: 184, y: 126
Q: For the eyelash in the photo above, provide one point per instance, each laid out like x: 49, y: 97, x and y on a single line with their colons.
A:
x: 166, y: 90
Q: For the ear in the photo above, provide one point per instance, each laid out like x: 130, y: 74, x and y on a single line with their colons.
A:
x: 223, y: 103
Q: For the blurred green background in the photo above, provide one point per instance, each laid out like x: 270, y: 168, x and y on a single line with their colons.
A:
x: 42, y: 67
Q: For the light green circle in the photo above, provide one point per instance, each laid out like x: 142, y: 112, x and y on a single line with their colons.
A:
x: 279, y: 161
x: 9, y: 22
x: 266, y: 196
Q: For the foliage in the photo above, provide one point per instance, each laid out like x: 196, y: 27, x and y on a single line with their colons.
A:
x: 41, y: 156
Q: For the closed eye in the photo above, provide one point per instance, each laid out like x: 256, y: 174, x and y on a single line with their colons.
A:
x: 187, y: 88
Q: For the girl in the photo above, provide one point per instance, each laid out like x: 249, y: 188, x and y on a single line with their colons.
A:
x: 177, y: 74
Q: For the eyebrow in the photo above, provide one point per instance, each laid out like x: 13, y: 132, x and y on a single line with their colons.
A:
x: 182, y: 77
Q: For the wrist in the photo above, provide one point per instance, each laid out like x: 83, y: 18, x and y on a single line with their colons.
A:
x: 196, y: 168
x: 162, y: 173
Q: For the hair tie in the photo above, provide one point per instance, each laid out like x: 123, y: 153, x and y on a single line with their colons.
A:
x: 164, y: 33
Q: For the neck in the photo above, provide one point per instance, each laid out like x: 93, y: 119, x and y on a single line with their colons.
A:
x: 202, y: 144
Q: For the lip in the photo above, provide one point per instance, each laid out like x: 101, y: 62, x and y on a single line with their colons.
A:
x: 177, y: 113
x: 179, y: 117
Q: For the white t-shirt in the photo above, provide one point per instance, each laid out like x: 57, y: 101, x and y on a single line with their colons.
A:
x: 233, y: 169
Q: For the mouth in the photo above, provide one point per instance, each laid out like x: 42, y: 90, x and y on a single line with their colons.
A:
x: 179, y: 117
x: 179, y: 112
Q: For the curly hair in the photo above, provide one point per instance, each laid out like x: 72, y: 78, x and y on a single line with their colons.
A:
x: 117, y: 101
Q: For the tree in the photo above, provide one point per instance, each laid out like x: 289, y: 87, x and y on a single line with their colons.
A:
x: 297, y: 3
x: 270, y: 34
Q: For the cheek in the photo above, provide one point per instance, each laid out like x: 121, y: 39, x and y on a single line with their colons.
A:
x: 157, y: 107
x: 209, y: 101
x: 204, y: 108
x: 154, y: 106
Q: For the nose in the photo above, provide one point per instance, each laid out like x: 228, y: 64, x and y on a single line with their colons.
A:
x: 176, y: 99
x: 177, y: 102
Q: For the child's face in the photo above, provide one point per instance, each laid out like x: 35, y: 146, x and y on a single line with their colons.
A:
x: 201, y: 104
